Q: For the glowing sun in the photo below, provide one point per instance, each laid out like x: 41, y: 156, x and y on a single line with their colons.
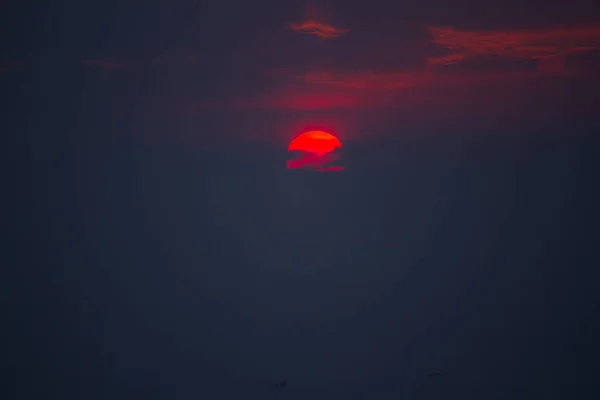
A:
x: 318, y: 151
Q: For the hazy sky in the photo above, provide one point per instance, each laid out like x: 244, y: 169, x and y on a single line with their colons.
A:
x: 159, y: 246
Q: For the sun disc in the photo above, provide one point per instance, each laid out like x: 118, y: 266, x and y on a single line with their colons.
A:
x: 316, y: 142
x: 316, y: 151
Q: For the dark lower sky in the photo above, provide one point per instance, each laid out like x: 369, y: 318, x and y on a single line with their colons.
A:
x: 157, y: 247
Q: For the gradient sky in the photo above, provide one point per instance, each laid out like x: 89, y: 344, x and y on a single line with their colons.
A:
x: 159, y: 247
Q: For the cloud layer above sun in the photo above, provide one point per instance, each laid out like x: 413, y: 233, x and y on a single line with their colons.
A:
x: 454, y: 62
x: 316, y: 64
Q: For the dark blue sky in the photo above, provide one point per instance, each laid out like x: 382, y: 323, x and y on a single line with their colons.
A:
x: 158, y: 247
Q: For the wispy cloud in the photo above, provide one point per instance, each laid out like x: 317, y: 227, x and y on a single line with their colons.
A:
x: 319, y: 29
x: 554, y: 43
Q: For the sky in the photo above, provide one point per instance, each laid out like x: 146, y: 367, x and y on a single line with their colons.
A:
x: 159, y: 247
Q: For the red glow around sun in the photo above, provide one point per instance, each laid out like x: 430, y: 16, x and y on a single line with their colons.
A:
x: 318, y: 151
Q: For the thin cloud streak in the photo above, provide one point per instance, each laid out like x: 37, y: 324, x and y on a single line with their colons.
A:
x: 556, y: 43
x: 321, y: 30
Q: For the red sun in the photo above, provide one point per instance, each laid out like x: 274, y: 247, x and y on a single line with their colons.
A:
x: 318, y: 152
x: 316, y: 142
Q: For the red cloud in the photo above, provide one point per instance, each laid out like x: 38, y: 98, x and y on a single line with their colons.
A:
x: 319, y: 29
x: 533, y: 45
